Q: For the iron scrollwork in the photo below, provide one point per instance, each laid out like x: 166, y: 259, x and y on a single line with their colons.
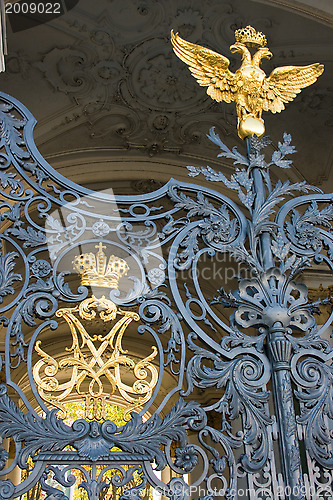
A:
x: 207, y: 362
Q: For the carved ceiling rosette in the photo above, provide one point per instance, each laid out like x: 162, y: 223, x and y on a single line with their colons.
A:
x: 156, y: 80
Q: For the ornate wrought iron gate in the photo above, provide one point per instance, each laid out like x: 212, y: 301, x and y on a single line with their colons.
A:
x: 122, y: 300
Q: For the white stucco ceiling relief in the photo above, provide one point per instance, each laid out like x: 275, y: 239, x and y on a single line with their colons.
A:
x: 103, y: 77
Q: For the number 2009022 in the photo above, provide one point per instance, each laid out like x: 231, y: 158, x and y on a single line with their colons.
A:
x: 33, y: 8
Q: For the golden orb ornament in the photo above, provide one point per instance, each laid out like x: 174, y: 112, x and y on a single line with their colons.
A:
x: 251, y: 126
x: 249, y: 87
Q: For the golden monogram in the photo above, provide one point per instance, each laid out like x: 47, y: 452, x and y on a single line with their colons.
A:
x: 96, y: 365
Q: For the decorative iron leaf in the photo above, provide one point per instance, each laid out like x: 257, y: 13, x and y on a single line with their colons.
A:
x: 147, y: 437
x: 191, y: 245
x: 234, y: 154
x: 241, y: 396
x: 279, y: 248
x: 261, y: 214
x: 317, y: 406
x: 284, y: 149
x: 10, y: 131
x: 15, y: 212
x: 8, y: 179
x: 200, y: 206
x: 194, y: 171
x: 45, y: 434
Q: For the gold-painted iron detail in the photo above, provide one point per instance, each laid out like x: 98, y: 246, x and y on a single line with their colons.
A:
x: 96, y: 270
x: 96, y: 364
x: 250, y: 88
x: 96, y: 358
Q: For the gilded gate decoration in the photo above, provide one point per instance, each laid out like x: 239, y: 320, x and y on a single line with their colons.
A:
x: 252, y: 91
x: 227, y: 385
x: 250, y: 88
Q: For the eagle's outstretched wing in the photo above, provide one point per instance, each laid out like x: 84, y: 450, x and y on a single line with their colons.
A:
x: 284, y: 83
x: 208, y: 67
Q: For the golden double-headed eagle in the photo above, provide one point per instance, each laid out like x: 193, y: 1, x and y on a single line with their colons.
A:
x: 250, y: 88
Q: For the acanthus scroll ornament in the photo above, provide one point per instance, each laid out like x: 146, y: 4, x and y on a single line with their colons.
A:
x: 249, y: 87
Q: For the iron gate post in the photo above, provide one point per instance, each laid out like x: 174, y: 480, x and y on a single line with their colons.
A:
x: 280, y: 352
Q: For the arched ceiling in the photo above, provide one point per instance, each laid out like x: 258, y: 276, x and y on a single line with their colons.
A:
x: 321, y: 10
x: 113, y: 103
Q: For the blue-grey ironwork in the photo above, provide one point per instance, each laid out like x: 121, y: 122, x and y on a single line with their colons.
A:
x: 267, y: 362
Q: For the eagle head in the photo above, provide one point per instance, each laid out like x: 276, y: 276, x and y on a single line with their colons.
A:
x: 264, y: 53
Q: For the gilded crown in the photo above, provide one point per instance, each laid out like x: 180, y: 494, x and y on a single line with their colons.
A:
x: 250, y: 37
x: 95, y: 270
